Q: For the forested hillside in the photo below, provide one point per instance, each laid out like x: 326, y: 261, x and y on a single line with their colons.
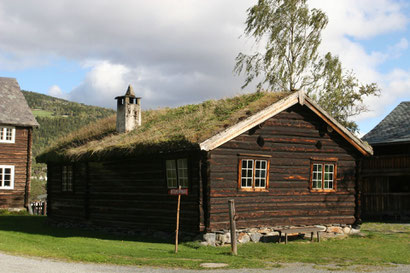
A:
x: 57, y: 117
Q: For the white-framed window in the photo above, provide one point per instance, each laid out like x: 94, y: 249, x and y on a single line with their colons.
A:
x: 7, y: 134
x: 253, y: 174
x: 177, y: 173
x: 6, y: 177
x: 67, y: 178
x: 323, y: 176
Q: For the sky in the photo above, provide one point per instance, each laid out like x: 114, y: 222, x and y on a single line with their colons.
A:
x: 175, y: 52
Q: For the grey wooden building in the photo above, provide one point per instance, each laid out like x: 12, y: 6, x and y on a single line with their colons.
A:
x: 386, y: 175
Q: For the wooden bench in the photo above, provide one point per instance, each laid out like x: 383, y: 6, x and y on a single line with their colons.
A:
x: 299, y: 230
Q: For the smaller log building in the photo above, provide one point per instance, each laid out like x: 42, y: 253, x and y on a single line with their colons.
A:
x: 281, y: 157
x: 386, y: 175
x: 16, y: 127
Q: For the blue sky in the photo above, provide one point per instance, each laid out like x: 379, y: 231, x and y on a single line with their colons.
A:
x: 182, y: 51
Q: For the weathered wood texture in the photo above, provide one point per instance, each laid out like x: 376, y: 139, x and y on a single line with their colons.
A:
x: 17, y: 154
x: 129, y: 194
x: 290, y: 138
x: 386, y: 184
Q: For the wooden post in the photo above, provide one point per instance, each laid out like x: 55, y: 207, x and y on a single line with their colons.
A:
x: 177, y: 229
x: 233, y: 226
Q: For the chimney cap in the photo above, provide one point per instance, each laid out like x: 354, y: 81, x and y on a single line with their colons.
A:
x: 130, y: 93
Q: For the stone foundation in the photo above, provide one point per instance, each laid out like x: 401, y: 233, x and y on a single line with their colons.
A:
x: 217, y: 238
x: 268, y: 235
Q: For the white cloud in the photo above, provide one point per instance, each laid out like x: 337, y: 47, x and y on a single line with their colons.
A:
x: 56, y: 91
x: 183, y: 51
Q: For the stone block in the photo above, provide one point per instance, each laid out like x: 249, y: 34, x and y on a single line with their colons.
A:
x: 243, y: 238
x: 346, y: 230
x: 334, y: 230
x: 255, y: 237
x: 354, y: 231
x: 210, y: 238
x: 224, y: 238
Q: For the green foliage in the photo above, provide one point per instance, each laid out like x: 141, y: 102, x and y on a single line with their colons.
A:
x: 38, y: 187
x: 291, y: 33
x: 293, y: 36
x: 339, y: 92
x: 30, y: 235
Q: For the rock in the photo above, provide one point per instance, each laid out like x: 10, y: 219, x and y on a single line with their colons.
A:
x: 213, y: 265
x: 255, y: 237
x: 243, y: 238
x: 273, y: 233
x: 322, y: 227
x: 354, y: 231
x: 346, y: 230
x: 210, y: 238
x: 253, y: 230
x: 264, y: 230
x: 223, y: 238
x: 334, y: 230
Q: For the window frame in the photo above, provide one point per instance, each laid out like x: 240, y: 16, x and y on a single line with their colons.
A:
x: 323, y: 162
x: 64, y: 175
x: 12, y: 176
x: 254, y: 158
x: 177, y: 173
x: 3, y: 134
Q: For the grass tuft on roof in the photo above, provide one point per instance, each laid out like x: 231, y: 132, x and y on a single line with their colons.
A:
x: 162, y: 130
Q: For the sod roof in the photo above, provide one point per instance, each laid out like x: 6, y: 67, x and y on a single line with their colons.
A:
x: 162, y: 130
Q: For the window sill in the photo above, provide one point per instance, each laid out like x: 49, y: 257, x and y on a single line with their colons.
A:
x: 322, y: 191
x: 253, y: 190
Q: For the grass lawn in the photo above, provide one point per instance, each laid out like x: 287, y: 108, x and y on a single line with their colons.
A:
x: 384, y: 244
x: 42, y: 113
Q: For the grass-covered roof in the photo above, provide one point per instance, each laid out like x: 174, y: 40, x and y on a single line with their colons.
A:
x: 162, y: 130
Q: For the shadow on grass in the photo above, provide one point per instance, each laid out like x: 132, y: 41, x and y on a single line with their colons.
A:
x: 39, y: 225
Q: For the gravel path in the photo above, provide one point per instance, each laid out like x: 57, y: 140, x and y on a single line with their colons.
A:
x: 17, y: 264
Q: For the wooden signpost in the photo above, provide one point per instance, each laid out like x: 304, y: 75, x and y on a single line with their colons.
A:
x: 232, y: 217
x: 178, y: 192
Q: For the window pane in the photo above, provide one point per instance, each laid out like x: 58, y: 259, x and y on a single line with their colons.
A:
x: 243, y: 182
x: 244, y: 162
x: 183, y: 172
x: 247, y: 173
x: 329, y: 176
x: 8, y: 133
x: 260, y: 173
x: 6, y: 177
x: 171, y: 171
x: 317, y: 176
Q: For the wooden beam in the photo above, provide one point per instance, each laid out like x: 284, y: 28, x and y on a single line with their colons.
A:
x: 365, y: 149
x: 252, y: 121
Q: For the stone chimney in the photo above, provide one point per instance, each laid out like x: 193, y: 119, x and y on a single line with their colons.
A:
x: 128, y: 111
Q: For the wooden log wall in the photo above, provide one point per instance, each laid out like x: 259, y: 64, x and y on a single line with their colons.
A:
x: 16, y: 154
x: 290, y: 138
x: 129, y: 194
x: 386, y: 183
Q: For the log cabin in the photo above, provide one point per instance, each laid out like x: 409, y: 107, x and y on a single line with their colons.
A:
x: 280, y: 156
x: 386, y: 175
x: 16, y: 127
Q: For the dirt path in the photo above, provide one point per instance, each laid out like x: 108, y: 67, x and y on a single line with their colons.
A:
x: 17, y: 264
